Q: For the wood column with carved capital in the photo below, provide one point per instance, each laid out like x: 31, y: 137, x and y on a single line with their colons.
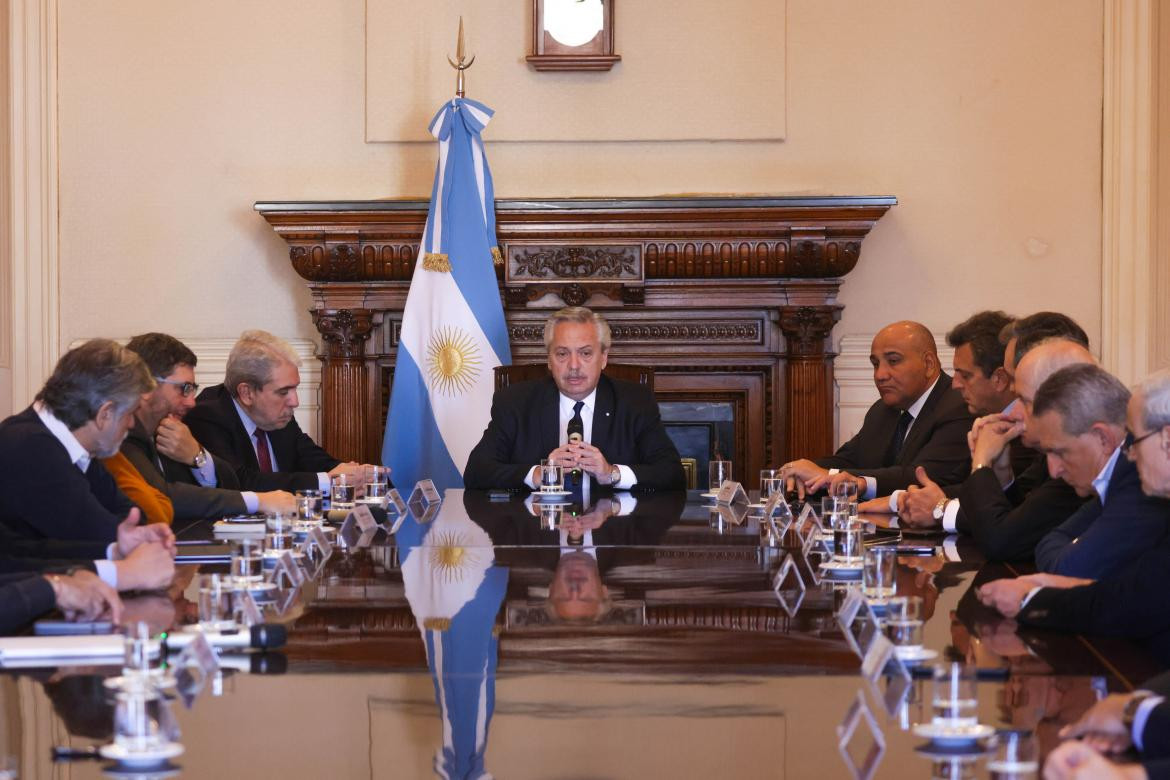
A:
x: 809, y: 379
x: 345, y: 377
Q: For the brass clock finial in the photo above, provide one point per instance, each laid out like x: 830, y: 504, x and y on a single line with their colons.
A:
x: 460, y: 66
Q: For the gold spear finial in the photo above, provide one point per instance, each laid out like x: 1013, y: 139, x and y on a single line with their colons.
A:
x: 460, y: 66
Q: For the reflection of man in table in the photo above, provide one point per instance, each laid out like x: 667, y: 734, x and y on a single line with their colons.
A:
x: 623, y: 443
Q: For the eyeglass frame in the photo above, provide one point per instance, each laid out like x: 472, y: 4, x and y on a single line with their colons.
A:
x: 187, y: 389
x: 1127, y: 446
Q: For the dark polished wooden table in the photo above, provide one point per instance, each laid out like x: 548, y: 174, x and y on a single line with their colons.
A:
x: 484, y: 642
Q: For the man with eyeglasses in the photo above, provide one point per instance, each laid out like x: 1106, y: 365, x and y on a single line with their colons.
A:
x: 162, y: 448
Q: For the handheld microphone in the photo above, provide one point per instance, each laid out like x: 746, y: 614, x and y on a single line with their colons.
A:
x: 576, y: 432
x: 262, y: 636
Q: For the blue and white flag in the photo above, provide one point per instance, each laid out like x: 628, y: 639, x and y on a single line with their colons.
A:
x: 453, y: 331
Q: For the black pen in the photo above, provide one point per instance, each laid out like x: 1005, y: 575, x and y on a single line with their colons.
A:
x: 68, y: 753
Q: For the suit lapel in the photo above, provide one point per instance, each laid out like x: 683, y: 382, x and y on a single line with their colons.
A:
x: 243, y: 441
x: 603, y: 409
x: 921, y: 426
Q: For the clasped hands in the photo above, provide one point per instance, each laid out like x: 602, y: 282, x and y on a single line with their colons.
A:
x: 581, y: 455
x: 1007, y: 595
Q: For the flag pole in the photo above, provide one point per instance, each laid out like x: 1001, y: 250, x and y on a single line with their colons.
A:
x: 461, y: 65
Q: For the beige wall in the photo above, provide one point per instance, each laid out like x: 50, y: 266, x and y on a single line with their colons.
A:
x: 1160, y: 343
x: 175, y: 118
x: 5, y: 218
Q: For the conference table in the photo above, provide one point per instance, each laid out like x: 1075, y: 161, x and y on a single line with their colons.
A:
x: 647, y: 637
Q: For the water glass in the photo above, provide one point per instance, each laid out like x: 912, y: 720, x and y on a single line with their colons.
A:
x: 343, y: 492
x: 310, y: 505
x: 136, y: 654
x: 552, y: 476
x: 954, y: 699
x: 771, y: 481
x: 877, y: 573
x: 247, y: 562
x: 846, y: 489
x: 377, y: 483
x: 550, y: 516
x: 278, y: 522
x: 718, y: 472
x: 215, y: 606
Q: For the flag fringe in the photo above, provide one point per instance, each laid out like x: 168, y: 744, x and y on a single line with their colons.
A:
x: 434, y: 261
x: 497, y: 258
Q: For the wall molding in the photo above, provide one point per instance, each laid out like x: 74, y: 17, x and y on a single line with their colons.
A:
x: 853, y: 377
x: 33, y: 298
x: 212, y: 355
x: 1129, y: 149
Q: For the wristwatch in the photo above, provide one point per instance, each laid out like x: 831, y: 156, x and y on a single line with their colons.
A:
x: 200, y: 460
x: 1131, y: 707
x: 940, y: 508
x: 615, y: 475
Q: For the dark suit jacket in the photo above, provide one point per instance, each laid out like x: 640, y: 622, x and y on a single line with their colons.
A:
x: 191, y: 502
x: 1007, y: 525
x: 1097, y: 540
x: 23, y: 597
x: 45, y: 495
x: 216, y: 424
x: 1133, y: 603
x: 937, y: 441
x: 525, y: 427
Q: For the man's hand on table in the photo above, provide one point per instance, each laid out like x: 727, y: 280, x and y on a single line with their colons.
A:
x: 131, y: 534
x: 1055, y: 580
x: 276, y: 501
x: 1006, y: 595
x: 916, y: 505
x: 83, y: 596
x: 175, y: 440
x: 875, y: 506
x: 1078, y: 761
x: 1103, y: 727
x: 802, y: 475
x: 149, y: 567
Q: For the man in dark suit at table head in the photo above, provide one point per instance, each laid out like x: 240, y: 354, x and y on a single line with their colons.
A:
x: 919, y: 421
x: 160, y: 446
x: 622, y: 441
x: 248, y: 420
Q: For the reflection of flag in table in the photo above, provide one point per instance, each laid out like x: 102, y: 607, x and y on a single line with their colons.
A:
x: 455, y: 592
x: 453, y: 332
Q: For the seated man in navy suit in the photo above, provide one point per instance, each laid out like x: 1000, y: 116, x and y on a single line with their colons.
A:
x: 623, y: 443
x: 920, y: 420
x: 248, y: 421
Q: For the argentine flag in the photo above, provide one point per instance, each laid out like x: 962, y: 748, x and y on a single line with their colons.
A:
x: 453, y: 332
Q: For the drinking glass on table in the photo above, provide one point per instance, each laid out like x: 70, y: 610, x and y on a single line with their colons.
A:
x: 718, y: 472
x: 771, y: 481
x: 847, y: 541
x: 903, y: 623
x: 344, y: 491
x: 954, y: 696
x: 215, y: 606
x: 552, y: 476
x: 377, y: 483
x: 247, y: 562
x: 136, y: 722
x: 1015, y: 756
x: 310, y: 505
x: 846, y: 489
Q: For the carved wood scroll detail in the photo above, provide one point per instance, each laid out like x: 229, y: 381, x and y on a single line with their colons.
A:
x: 344, y: 331
x: 806, y: 328
x: 573, y: 262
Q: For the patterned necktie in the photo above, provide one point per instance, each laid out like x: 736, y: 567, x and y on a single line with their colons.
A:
x: 262, y: 454
x: 576, y: 477
x: 895, y: 448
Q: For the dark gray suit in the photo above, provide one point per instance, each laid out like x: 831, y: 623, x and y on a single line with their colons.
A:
x: 937, y: 441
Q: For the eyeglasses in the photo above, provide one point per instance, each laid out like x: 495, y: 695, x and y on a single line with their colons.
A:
x: 188, y: 389
x: 1127, y: 447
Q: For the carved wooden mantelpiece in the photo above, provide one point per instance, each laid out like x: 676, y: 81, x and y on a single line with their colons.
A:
x: 729, y: 299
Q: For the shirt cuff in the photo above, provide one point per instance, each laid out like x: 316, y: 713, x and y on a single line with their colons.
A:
x: 108, y: 572
x: 894, y: 500
x: 323, y: 483
x: 950, y: 515
x: 870, y: 487
x: 1141, y: 715
x: 628, y: 479
x: 834, y: 471
x: 1030, y: 594
x: 528, y: 479
x: 112, y: 551
x: 251, y: 502
x: 206, y: 475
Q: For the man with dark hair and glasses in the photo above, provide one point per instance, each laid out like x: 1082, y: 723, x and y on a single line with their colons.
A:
x: 162, y: 448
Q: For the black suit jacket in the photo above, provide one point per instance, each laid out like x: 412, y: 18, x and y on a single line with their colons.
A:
x: 1097, y: 540
x: 1007, y: 525
x: 45, y: 495
x: 23, y: 597
x: 216, y: 424
x: 937, y: 441
x: 191, y: 502
x: 525, y: 427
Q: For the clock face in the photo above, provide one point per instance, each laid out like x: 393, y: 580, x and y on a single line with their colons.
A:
x: 573, y: 22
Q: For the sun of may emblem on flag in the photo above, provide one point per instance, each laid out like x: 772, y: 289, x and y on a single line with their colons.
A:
x: 453, y: 361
